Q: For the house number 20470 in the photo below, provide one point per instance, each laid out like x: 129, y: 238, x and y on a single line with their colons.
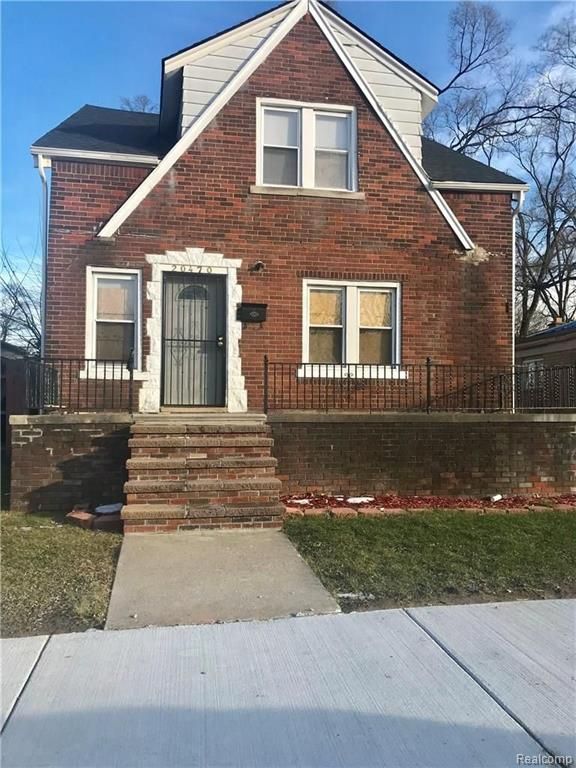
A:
x: 186, y: 268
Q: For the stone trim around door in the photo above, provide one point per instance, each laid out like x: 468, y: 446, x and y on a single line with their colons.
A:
x: 193, y: 260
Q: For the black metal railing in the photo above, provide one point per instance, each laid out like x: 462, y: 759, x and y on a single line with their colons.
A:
x: 76, y: 385
x: 425, y: 387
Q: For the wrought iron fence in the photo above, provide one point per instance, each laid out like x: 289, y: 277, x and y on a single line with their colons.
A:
x: 76, y: 385
x: 426, y: 387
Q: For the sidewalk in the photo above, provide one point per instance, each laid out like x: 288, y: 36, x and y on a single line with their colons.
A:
x: 459, y: 686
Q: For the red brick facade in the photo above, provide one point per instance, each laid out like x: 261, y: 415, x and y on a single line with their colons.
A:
x: 452, y: 310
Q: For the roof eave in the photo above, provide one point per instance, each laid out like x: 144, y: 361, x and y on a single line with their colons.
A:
x: 82, y: 154
x: 480, y: 186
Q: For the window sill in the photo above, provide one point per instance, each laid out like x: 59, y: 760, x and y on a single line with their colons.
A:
x: 307, y: 192
x: 118, y: 374
x: 359, y: 372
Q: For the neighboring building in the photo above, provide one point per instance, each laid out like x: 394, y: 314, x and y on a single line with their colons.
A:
x: 555, y: 346
x: 286, y: 175
x: 12, y: 400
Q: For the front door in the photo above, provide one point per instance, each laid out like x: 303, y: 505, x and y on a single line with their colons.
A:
x: 193, y: 339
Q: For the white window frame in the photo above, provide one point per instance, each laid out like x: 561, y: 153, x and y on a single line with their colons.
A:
x: 351, y: 367
x: 307, y: 149
x: 94, y: 370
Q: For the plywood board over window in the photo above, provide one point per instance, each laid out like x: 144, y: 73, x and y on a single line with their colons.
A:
x: 351, y: 323
x: 113, y: 306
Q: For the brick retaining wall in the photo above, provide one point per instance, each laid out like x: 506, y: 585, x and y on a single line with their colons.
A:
x: 438, y: 454
x: 59, y: 460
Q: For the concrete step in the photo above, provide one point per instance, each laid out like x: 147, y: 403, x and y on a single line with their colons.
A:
x: 201, y: 428
x: 194, y: 415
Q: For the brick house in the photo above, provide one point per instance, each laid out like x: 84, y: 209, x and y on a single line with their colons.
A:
x: 286, y: 169
x: 283, y: 204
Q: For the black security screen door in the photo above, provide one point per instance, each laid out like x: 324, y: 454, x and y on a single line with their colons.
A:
x: 193, y: 339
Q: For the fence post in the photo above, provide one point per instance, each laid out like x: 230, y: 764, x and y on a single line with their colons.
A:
x: 265, y: 403
x: 130, y: 366
x: 428, y: 384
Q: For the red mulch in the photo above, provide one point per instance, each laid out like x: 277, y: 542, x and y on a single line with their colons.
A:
x: 389, y: 501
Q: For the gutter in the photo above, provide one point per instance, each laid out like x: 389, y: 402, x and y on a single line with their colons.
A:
x: 44, y: 163
x: 519, y: 198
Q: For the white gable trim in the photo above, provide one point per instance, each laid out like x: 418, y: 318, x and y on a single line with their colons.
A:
x: 437, y: 198
x: 179, y: 60
x: 297, y: 12
x: 408, y: 75
x: 206, y: 117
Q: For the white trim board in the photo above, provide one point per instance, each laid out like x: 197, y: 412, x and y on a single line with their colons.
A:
x: 81, y: 154
x: 253, y: 62
x: 182, y: 58
x: 477, y: 186
x: 205, y: 118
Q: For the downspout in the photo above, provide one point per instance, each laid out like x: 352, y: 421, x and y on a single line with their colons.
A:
x: 42, y: 165
x: 519, y: 203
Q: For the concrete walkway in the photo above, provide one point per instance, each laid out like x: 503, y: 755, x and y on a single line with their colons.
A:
x: 457, y: 687
x: 208, y: 576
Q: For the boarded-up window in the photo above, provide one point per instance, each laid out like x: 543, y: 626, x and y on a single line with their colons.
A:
x: 326, y: 325
x: 115, y: 316
x: 375, y: 344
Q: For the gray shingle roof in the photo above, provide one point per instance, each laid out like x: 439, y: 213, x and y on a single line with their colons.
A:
x: 444, y: 164
x: 100, y: 129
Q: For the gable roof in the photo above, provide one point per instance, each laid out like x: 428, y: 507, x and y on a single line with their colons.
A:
x: 297, y: 11
x: 444, y: 164
x: 101, y: 130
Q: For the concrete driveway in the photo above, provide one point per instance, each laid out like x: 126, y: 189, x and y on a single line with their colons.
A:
x: 463, y: 686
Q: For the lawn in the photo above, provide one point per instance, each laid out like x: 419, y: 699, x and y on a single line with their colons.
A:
x: 55, y: 577
x: 440, y: 557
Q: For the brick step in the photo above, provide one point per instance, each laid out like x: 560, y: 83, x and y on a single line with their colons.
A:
x: 200, y: 442
x: 204, y: 492
x: 148, y: 518
x: 210, y: 473
x: 143, y: 464
x: 157, y: 512
x: 163, y: 428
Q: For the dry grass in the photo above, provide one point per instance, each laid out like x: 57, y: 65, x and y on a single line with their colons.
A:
x: 55, y: 577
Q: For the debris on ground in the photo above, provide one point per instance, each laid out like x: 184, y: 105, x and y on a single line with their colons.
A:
x: 109, y: 509
x: 105, y: 517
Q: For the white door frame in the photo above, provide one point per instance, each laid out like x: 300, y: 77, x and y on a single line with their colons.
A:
x: 193, y: 260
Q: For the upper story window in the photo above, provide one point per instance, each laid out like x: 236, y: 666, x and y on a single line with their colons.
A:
x: 309, y: 146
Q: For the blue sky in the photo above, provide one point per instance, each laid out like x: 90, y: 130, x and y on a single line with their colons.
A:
x: 57, y: 56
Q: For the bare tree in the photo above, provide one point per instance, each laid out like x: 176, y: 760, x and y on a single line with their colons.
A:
x: 20, y: 297
x: 490, y: 98
x: 140, y: 103
x: 546, y: 238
